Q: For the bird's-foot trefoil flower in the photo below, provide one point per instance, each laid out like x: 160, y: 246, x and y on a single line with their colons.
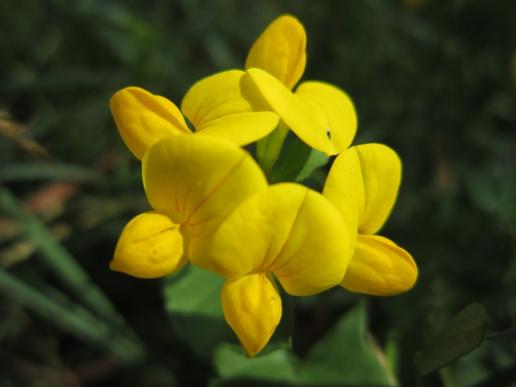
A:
x: 288, y: 231
x: 363, y: 184
x: 192, y: 184
x: 214, y: 106
x: 211, y: 204
x: 320, y: 114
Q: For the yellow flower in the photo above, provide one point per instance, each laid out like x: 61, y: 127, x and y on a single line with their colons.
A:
x: 192, y: 184
x: 215, y: 106
x: 363, y: 184
x: 287, y: 230
x: 320, y: 114
x: 211, y: 204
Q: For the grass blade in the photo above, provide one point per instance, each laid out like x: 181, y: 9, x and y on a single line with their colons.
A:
x: 60, y: 261
x: 72, y: 318
x: 48, y: 171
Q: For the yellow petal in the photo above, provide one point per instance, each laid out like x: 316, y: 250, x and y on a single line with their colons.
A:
x: 344, y: 187
x: 337, y: 107
x: 227, y: 105
x: 281, y: 50
x: 309, y: 123
x: 365, y: 179
x: 241, y: 128
x: 214, y: 97
x: 289, y: 230
x: 150, y: 246
x: 197, y: 181
x: 252, y: 308
x: 381, y: 173
x: 143, y: 118
x: 380, y: 267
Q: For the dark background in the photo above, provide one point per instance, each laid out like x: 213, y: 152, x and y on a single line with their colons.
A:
x: 435, y: 80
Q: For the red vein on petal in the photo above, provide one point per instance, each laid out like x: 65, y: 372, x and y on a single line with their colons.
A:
x: 287, y: 239
x: 215, y: 188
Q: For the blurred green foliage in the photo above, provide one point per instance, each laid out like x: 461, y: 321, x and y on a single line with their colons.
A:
x: 436, y: 80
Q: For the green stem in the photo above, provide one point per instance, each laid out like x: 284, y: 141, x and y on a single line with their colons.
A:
x: 268, y: 149
x: 392, y: 352
x: 446, y: 377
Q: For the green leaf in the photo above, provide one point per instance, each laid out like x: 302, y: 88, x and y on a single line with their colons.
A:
x: 271, y: 365
x: 460, y: 335
x: 315, y: 160
x: 347, y: 355
x: 297, y: 162
x: 193, y: 302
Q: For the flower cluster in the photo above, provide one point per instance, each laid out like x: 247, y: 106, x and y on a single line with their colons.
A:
x: 213, y: 207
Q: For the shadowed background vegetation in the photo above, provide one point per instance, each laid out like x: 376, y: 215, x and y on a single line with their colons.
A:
x: 436, y: 80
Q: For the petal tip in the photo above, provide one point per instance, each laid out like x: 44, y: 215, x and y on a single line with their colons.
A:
x: 380, y: 267
x: 252, y: 308
x: 150, y: 246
